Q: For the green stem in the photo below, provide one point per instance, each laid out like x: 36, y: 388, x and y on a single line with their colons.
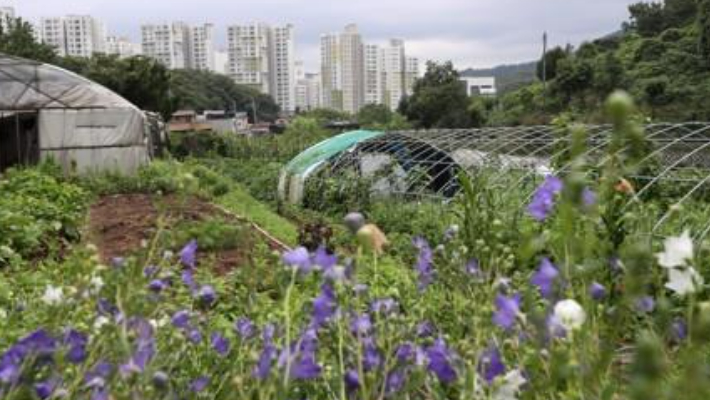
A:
x: 287, y: 312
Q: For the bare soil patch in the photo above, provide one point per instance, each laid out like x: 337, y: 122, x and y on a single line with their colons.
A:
x: 119, y: 224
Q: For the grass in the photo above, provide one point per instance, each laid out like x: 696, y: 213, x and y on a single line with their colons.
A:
x: 240, y: 202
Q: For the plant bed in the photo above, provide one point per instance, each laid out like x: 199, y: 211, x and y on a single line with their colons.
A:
x: 127, y: 223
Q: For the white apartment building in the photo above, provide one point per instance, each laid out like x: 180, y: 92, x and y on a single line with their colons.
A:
x: 221, y: 60
x: 52, y: 32
x: 73, y: 35
x: 169, y: 44
x: 353, y: 74
x: 373, y: 74
x: 308, y: 89
x: 411, y: 74
x: 264, y: 58
x: 85, y: 35
x: 331, y: 73
x: 202, y: 48
x: 248, y: 47
x: 282, y: 67
x: 5, y: 14
x: 352, y: 69
x: 122, y: 47
x: 394, y: 65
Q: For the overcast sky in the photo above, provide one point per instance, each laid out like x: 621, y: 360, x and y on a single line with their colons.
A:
x: 472, y: 33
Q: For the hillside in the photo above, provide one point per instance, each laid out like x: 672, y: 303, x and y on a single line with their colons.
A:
x: 661, y: 56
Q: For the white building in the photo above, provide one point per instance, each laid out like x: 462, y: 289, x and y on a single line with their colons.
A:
x: 169, y: 44
x: 221, y: 61
x: 5, y: 14
x: 202, y: 48
x: 343, y: 70
x: 282, y: 67
x: 480, y: 86
x: 122, y: 47
x: 331, y: 73
x: 394, y: 62
x: 85, y: 35
x: 353, y: 74
x: 264, y: 57
x: 308, y: 89
x: 373, y: 74
x: 52, y: 32
x: 411, y: 71
x: 248, y: 47
x: 73, y: 35
x: 352, y: 69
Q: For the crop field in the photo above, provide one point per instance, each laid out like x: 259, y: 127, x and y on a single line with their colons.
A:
x: 192, y: 280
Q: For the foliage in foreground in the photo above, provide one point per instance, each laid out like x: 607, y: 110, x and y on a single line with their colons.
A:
x: 38, y: 214
x: 574, y: 302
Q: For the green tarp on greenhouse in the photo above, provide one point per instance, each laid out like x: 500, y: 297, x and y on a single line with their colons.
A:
x: 294, y: 174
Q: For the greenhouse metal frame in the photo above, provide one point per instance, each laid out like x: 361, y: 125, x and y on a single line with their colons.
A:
x: 427, y: 163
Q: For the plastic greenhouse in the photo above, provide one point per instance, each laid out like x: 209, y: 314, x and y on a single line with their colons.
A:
x: 300, y: 168
x: 48, y: 112
x: 417, y: 165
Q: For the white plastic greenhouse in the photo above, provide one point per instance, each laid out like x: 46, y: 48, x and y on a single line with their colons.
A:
x: 48, y: 112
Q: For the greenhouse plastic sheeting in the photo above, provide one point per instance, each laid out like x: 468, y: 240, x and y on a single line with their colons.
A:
x: 29, y: 85
x: 295, y: 173
x: 90, y: 128
x: 124, y: 160
x: 83, y: 125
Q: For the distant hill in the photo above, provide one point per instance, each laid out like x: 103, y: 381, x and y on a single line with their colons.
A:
x: 509, y: 77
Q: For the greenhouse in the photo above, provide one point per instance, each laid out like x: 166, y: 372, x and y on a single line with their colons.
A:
x: 297, y: 171
x: 48, y: 112
x: 416, y: 165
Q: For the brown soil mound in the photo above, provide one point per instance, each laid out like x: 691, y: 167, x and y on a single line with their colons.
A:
x: 120, y: 223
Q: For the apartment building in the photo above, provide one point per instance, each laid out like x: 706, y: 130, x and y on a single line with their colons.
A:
x: 352, y: 69
x: 85, y: 35
x: 373, y: 74
x: 202, y: 48
x: 331, y: 73
x: 308, y: 89
x: 53, y: 33
x: 221, y: 59
x: 248, y: 47
x: 282, y: 67
x: 354, y: 74
x: 5, y: 14
x: 394, y: 64
x: 263, y: 57
x: 168, y: 43
x: 411, y: 74
x: 73, y: 35
x: 122, y: 47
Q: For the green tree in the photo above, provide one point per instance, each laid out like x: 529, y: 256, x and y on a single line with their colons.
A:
x: 204, y: 90
x: 141, y: 80
x: 439, y: 99
x: 609, y: 74
x: 17, y: 39
x: 374, y: 115
x: 703, y: 26
x: 648, y: 19
x: 478, y: 110
x: 574, y: 77
x: 680, y: 12
x: 325, y: 115
x: 552, y: 60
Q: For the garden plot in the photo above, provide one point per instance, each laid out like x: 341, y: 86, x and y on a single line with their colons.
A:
x: 124, y: 224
